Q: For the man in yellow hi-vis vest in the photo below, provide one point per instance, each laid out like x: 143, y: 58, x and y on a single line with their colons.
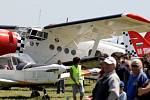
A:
x: 77, y: 78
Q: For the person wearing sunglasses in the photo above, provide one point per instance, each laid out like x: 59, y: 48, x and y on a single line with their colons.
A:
x: 136, y: 80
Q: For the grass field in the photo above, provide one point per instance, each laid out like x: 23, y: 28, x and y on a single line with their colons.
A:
x: 24, y: 93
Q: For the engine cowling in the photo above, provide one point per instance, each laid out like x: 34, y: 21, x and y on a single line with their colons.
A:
x: 10, y: 42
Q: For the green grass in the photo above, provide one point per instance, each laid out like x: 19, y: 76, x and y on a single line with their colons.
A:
x: 24, y: 93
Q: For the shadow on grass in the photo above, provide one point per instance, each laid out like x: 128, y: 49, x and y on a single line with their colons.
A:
x: 68, y: 85
x: 57, y: 98
x: 16, y: 97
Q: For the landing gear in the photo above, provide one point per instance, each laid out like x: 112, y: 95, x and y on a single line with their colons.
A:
x: 45, y: 97
x: 35, y: 93
x: 5, y: 88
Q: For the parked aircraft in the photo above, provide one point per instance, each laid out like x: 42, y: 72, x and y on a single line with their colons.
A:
x: 20, y: 70
x: 105, y: 46
x: 61, y: 41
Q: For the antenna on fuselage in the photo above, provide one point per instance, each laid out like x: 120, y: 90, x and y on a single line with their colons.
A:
x: 39, y: 17
x: 67, y: 20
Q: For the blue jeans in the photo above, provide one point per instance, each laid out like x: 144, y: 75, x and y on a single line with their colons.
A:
x: 61, y: 86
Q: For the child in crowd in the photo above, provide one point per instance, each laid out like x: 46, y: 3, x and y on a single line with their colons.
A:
x: 123, y: 95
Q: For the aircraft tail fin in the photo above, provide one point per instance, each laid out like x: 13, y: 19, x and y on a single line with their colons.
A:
x: 135, y: 44
x: 128, y: 45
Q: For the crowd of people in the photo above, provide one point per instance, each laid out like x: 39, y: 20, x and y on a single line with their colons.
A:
x: 123, y: 78
x: 120, y: 78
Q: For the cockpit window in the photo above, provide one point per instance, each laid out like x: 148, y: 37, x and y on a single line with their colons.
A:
x: 5, y: 64
x: 36, y: 34
x: 15, y: 62
x: 45, y: 35
x: 3, y: 61
x: 39, y: 34
x: 29, y: 30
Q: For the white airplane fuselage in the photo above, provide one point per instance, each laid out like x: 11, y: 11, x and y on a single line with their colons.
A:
x: 25, y: 78
x: 103, y: 47
x: 60, y: 47
x: 30, y: 74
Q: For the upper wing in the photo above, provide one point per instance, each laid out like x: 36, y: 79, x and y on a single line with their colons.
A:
x: 9, y: 27
x: 99, y: 28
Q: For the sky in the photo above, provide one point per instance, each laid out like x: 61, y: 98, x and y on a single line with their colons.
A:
x: 45, y: 12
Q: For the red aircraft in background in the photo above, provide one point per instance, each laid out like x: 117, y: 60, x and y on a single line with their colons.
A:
x: 147, y: 36
x: 136, y: 44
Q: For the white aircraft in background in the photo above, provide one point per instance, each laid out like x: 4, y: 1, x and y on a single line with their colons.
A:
x: 105, y: 46
x: 19, y: 70
x: 61, y: 41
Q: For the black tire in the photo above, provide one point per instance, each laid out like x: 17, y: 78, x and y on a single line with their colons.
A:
x: 45, y: 97
x: 35, y: 94
x: 5, y: 88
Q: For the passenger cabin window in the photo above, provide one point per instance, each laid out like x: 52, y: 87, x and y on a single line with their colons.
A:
x: 73, y: 52
x: 39, y: 35
x: 66, y: 50
x: 59, y: 48
x: 51, y: 47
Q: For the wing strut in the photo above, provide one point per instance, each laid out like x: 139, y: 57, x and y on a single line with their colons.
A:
x: 96, y: 42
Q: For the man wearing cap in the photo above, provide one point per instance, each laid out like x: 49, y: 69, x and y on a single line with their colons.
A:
x: 136, y: 80
x: 107, y: 87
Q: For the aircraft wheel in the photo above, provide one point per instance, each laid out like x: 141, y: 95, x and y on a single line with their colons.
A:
x: 5, y: 88
x: 35, y: 94
x: 45, y: 97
